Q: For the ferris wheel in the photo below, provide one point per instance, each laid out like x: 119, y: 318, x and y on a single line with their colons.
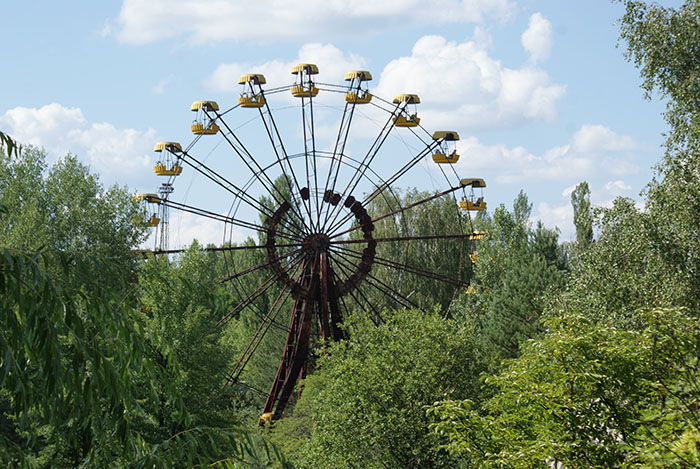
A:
x: 308, y: 172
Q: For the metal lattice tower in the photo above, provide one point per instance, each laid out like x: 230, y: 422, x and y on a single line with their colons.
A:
x: 162, y: 233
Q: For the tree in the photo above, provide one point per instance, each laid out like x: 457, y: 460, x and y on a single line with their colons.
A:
x: 516, y: 268
x: 583, y: 215
x: 68, y: 211
x: 365, y: 404
x: 76, y: 374
x: 588, y: 395
x: 664, y: 43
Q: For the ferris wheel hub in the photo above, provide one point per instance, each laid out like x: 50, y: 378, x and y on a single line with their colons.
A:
x: 317, y: 243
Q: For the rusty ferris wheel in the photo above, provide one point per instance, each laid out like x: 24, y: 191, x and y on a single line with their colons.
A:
x: 310, y: 209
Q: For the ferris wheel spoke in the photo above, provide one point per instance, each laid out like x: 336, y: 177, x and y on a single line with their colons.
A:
x: 260, y: 266
x: 386, y: 289
x: 366, y: 304
x: 410, y: 269
x: 388, y: 183
x: 242, y: 152
x: 469, y: 236
x: 228, y: 248
x: 400, y: 210
x: 340, y: 142
x: 258, y: 291
x: 390, y: 291
x: 362, y: 167
x: 273, y: 134
x: 222, y: 218
x: 259, y: 334
x: 310, y: 153
x: 222, y: 182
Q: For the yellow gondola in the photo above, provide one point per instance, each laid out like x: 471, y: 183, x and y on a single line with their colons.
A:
x: 170, y: 167
x: 447, y: 154
x: 251, y: 99
x: 357, y: 95
x: 203, y: 124
x: 406, y: 120
x: 300, y: 91
x: 305, y: 87
x: 150, y: 199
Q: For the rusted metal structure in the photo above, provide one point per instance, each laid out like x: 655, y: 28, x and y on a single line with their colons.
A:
x: 315, y: 231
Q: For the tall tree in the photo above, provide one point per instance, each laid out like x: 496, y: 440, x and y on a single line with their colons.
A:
x: 583, y: 215
x: 516, y: 267
x: 664, y: 43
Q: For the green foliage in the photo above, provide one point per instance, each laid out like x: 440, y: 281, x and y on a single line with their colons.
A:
x: 182, y: 301
x: 9, y: 146
x: 665, y: 44
x: 446, y: 257
x: 67, y: 211
x: 517, y: 267
x: 365, y: 404
x: 587, y: 395
x: 583, y: 215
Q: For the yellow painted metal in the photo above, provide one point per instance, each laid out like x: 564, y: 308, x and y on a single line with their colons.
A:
x: 206, y: 105
x: 170, y: 146
x: 310, y: 69
x: 199, y: 129
x: 406, y: 98
x: 265, y: 418
x: 406, y: 121
x: 465, y: 204
x: 148, y: 197
x: 448, y: 135
x: 363, y: 75
x: 474, y: 182
x: 473, y: 257
x: 299, y: 91
x: 477, y: 235
x: 353, y: 97
x: 161, y: 170
x: 153, y: 221
x: 255, y: 78
x: 255, y: 101
x: 470, y: 290
x: 442, y: 158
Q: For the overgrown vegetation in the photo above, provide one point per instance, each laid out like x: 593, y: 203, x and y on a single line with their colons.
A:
x: 581, y: 354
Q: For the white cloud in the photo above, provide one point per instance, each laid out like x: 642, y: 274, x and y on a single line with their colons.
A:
x: 331, y: 61
x: 617, y: 186
x: 569, y: 190
x: 560, y: 216
x: 598, y: 138
x: 537, y: 38
x: 568, y: 163
x: 109, y: 150
x: 199, y: 21
x: 464, y: 84
x: 186, y: 227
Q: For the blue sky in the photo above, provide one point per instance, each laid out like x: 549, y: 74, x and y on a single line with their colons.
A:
x: 539, y: 92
